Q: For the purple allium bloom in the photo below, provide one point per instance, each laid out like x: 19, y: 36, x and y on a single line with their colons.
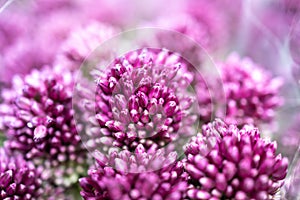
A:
x: 212, y: 20
x: 201, y: 22
x: 118, y: 12
x: 225, y: 162
x: 37, y: 118
x: 40, y: 45
x: 124, y: 176
x: 18, y: 58
x: 83, y: 42
x: 193, y: 36
x: 252, y: 94
x: 142, y: 98
x: 18, y: 179
x: 12, y: 27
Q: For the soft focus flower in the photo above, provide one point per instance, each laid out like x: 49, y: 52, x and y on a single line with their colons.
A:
x: 82, y: 42
x: 212, y: 20
x: 18, y: 179
x: 225, y: 162
x: 12, y: 28
x: 44, y: 7
x: 252, y: 94
x: 117, y: 12
x: 124, y: 176
x: 200, y: 27
x: 292, y: 7
x: 142, y: 98
x: 37, y: 47
x: 192, y: 34
x: 37, y: 118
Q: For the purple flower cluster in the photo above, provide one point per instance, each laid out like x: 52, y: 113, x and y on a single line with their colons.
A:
x: 38, y: 44
x: 123, y: 175
x: 224, y: 162
x: 143, y: 99
x: 82, y: 43
x: 252, y: 94
x: 143, y: 103
x: 37, y: 117
x: 18, y: 179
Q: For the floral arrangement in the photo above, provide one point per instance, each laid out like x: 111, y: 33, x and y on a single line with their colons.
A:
x: 121, y: 100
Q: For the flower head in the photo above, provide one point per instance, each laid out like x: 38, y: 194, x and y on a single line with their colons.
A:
x: 39, y: 47
x: 192, y: 34
x: 125, y: 176
x: 142, y: 99
x: 82, y: 42
x: 225, y: 162
x: 252, y: 94
x: 37, y: 118
x: 199, y: 27
x: 11, y: 27
x: 18, y: 178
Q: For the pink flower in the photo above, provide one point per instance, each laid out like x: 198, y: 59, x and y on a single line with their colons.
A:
x: 142, y: 98
x: 252, y: 94
x: 83, y: 42
x: 224, y: 162
x: 125, y: 176
x: 37, y: 118
x: 18, y: 178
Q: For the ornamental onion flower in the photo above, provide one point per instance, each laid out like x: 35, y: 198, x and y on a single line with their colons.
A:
x: 37, y: 118
x: 224, y: 162
x: 18, y: 178
x: 199, y: 27
x: 82, y: 42
x: 11, y: 27
x: 252, y: 94
x: 125, y: 176
x: 142, y: 98
x: 21, y: 179
x: 38, y: 47
x: 192, y: 34
x: 212, y: 19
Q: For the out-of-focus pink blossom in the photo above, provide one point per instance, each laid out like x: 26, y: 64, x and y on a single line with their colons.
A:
x: 39, y: 46
x: 82, y: 42
x: 252, y: 94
